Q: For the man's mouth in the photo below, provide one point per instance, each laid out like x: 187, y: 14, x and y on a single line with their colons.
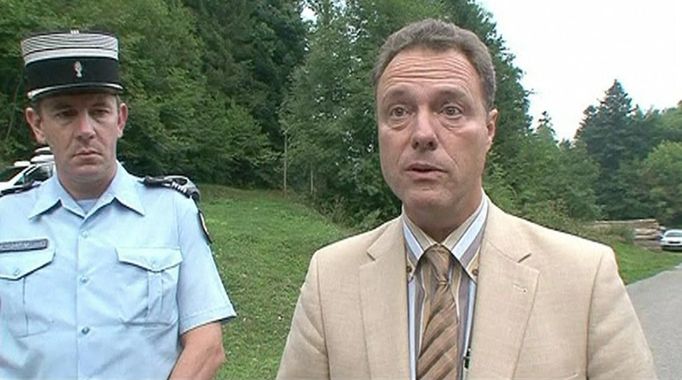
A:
x: 423, y: 168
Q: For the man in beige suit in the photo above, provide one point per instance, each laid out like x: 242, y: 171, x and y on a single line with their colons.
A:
x: 511, y: 300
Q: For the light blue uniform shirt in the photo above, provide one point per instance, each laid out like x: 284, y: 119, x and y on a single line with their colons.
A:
x: 114, y: 289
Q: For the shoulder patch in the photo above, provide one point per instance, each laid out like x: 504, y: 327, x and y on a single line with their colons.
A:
x: 20, y: 188
x: 178, y: 183
x: 186, y: 187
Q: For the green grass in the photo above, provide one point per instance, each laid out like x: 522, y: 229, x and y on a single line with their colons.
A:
x: 263, y: 242
x: 636, y: 263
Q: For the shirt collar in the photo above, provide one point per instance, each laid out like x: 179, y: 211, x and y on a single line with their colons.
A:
x: 121, y: 188
x: 124, y: 188
x: 457, y: 241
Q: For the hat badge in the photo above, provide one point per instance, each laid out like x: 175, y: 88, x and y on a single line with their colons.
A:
x: 78, y: 69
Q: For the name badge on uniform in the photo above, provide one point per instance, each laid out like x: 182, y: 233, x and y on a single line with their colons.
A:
x: 23, y: 245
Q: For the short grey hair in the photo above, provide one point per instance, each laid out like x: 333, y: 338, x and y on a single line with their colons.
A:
x: 440, y: 36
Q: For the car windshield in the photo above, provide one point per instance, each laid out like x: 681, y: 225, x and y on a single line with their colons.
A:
x: 10, y: 172
x: 673, y: 234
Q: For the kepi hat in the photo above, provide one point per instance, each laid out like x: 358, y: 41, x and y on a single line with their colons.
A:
x: 72, y: 61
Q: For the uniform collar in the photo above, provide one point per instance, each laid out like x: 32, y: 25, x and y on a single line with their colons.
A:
x: 122, y: 188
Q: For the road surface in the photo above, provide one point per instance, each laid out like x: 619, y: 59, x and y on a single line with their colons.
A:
x: 658, y: 301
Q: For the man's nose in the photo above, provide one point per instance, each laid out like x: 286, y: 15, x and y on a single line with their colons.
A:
x: 85, y: 126
x: 424, y: 131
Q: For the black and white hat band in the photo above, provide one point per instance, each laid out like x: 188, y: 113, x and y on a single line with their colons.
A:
x: 70, y: 61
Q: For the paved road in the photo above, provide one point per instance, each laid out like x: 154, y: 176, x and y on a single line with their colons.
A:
x: 658, y: 301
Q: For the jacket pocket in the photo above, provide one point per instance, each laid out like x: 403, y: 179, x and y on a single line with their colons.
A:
x: 149, y: 280
x: 19, y: 273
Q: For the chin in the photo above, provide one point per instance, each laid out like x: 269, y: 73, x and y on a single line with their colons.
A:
x: 432, y: 202
x: 89, y: 173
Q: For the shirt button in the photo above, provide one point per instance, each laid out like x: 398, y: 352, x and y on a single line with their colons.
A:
x: 85, y: 330
x: 84, y: 279
x: 16, y: 272
x: 84, y: 234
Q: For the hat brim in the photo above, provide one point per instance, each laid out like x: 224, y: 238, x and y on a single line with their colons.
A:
x: 75, y: 88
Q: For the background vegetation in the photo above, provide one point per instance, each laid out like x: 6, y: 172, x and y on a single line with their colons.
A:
x: 248, y: 93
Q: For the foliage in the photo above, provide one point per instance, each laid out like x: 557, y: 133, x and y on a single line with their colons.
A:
x: 554, y: 181
x: 622, y: 139
x: 216, y: 87
x: 662, y: 171
x: 249, y: 158
x: 251, y: 49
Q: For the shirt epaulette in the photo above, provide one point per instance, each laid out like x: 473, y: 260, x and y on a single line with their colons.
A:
x: 186, y: 187
x: 179, y: 183
x: 20, y: 188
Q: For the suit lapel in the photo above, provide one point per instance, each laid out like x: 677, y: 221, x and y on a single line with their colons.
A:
x: 383, y: 291
x: 504, y: 299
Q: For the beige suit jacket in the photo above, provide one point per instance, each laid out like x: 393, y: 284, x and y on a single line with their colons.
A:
x: 548, y: 306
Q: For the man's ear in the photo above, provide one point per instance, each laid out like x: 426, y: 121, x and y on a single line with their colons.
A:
x: 122, y: 118
x: 35, y: 122
x: 491, y: 125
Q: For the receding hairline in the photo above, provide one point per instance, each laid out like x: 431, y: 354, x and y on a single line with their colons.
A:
x: 440, y: 36
x: 429, y: 46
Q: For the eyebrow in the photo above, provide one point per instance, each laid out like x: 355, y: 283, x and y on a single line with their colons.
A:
x: 401, y: 92
x: 394, y: 93
x: 58, y: 106
x: 453, y: 93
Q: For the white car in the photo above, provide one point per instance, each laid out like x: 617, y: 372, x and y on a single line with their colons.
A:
x: 671, y: 239
x: 39, y: 168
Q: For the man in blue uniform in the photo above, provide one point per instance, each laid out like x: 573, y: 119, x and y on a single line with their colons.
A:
x: 101, y: 275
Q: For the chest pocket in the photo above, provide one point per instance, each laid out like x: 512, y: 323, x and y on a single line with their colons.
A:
x: 149, y: 280
x: 23, y: 286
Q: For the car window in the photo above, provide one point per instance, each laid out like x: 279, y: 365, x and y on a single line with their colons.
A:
x: 673, y: 234
x: 39, y: 173
x: 10, y: 172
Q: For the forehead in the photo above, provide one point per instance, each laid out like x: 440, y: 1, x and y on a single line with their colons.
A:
x: 79, y: 99
x: 422, y: 67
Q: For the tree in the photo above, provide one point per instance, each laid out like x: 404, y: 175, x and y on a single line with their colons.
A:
x: 614, y: 133
x: 251, y: 50
x: 662, y: 171
x: 554, y: 183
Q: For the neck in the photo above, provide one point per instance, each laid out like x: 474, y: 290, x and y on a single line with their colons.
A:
x: 439, y: 222
x: 88, y: 188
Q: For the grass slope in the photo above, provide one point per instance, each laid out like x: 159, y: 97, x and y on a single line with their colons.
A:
x: 636, y: 263
x: 263, y: 242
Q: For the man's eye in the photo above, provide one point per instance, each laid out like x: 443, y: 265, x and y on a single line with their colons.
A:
x: 98, y: 113
x: 398, y: 112
x: 451, y: 111
x: 65, y: 114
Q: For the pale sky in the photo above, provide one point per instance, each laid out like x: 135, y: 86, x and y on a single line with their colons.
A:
x: 572, y: 50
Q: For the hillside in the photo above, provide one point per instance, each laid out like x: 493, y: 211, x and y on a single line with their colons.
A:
x: 263, y: 242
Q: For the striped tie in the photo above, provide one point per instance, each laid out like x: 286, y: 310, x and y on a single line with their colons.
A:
x: 438, y: 357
